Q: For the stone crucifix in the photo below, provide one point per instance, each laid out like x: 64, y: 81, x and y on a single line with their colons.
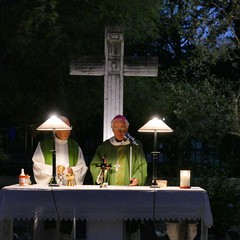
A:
x: 113, y: 67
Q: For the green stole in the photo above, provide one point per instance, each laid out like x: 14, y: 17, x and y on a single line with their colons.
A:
x: 121, y: 157
x: 47, y: 146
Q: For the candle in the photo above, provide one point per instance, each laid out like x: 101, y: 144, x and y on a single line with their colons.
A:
x: 185, y: 178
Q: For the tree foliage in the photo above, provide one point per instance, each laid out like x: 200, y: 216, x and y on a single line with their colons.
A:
x: 197, y: 43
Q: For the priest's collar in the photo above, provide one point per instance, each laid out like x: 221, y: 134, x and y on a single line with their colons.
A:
x: 114, y: 142
x: 59, y: 141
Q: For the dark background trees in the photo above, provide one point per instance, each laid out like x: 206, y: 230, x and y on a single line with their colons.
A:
x: 197, y: 90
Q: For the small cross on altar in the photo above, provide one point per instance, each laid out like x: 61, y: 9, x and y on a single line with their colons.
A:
x: 104, y: 166
x: 117, y: 166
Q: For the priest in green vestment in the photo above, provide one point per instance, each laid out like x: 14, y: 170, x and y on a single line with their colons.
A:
x: 125, y: 155
x: 69, y: 157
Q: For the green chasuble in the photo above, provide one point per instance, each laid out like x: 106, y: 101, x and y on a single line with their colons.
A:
x: 47, y: 146
x: 118, y: 155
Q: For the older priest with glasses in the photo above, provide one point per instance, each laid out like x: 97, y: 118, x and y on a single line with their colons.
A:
x: 125, y: 156
x: 124, y: 160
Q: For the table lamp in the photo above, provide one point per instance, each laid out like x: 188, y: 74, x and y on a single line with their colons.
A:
x: 155, y: 125
x: 52, y: 124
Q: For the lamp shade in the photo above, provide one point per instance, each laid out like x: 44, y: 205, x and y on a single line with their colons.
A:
x: 53, y: 123
x: 155, y: 125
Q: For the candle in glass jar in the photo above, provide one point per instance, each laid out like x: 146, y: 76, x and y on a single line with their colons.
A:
x: 185, y: 178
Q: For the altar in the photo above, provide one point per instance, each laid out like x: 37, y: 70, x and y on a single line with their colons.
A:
x: 103, y: 208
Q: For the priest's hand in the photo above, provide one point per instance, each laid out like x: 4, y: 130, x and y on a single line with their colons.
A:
x: 133, y: 182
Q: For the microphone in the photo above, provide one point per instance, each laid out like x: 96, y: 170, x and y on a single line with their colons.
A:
x: 130, y: 138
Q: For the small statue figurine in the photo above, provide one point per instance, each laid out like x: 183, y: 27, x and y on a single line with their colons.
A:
x: 70, y: 179
x: 60, y: 171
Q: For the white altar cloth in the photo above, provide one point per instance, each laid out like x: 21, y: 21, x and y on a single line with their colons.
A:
x: 80, y: 202
x: 115, y: 203
x: 174, y: 203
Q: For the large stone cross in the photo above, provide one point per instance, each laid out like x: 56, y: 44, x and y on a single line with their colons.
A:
x: 113, y: 67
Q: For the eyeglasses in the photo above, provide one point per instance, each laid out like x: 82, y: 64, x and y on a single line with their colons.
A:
x: 119, y: 129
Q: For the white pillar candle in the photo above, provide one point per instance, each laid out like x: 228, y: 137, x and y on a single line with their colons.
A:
x: 185, y: 178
